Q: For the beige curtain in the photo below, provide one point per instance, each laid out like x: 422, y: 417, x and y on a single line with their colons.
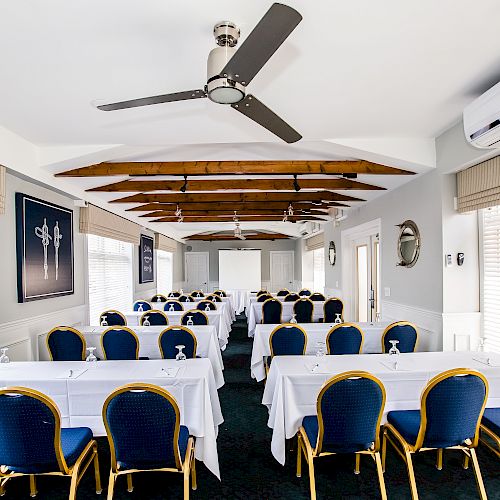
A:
x: 95, y: 220
x: 165, y: 243
x: 316, y: 241
x: 479, y: 186
x: 2, y: 189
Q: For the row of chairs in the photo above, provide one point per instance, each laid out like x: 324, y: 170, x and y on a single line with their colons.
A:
x: 176, y: 294
x: 176, y: 305
x: 143, y: 426
x: 303, y: 309
x: 350, y: 407
x: 304, y: 292
x: 65, y: 343
x: 154, y: 317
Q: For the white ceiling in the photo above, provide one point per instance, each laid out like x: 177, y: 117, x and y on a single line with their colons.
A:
x: 351, y: 70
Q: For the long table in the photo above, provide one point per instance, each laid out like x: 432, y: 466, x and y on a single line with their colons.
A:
x: 293, y: 383
x: 225, y: 305
x: 255, y: 314
x: 316, y: 332
x: 80, y: 397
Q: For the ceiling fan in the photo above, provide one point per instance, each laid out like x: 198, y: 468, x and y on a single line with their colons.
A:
x: 229, y: 70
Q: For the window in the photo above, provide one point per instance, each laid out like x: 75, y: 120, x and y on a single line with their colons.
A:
x: 319, y: 270
x: 164, y: 265
x: 491, y: 277
x: 110, y: 276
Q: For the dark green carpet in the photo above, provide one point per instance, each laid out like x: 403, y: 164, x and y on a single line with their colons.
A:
x: 249, y: 471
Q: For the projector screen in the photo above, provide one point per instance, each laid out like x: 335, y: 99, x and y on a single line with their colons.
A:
x: 239, y: 270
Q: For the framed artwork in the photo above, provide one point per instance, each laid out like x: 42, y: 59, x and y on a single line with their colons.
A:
x: 44, y: 243
x: 146, y: 261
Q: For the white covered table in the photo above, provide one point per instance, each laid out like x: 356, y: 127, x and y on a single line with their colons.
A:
x: 225, y: 305
x: 316, y: 332
x: 255, y: 315
x: 80, y: 399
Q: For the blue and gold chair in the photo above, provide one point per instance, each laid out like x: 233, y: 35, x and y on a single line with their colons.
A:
x: 66, y: 344
x: 176, y: 305
x: 174, y: 294
x: 146, y: 306
x: 490, y: 430
x: 349, y: 410
x: 288, y: 339
x: 177, y: 335
x: 185, y: 298
x: 156, y: 441
x: 197, y: 294
x: 261, y: 291
x: 283, y: 292
x: 33, y: 443
x: 451, y: 407
x: 158, y: 298
x: 345, y: 338
x: 198, y: 317
x: 263, y: 297
x: 271, y: 311
x: 119, y: 343
x: 112, y: 318
x: 405, y: 332
x: 331, y: 308
x: 154, y: 317
x: 214, y: 298
x: 303, y: 310
x: 317, y: 297
x: 292, y: 297
x: 220, y: 293
x: 305, y: 292
x: 203, y: 304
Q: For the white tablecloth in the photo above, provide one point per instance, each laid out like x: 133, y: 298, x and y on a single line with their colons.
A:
x: 228, y: 308
x: 240, y: 298
x: 315, y: 332
x: 80, y: 400
x: 292, y: 389
x: 255, y: 315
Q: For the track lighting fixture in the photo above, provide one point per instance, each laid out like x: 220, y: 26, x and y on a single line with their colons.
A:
x: 296, y: 185
x: 185, y: 185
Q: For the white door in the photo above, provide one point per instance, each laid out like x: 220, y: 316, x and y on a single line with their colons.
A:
x: 281, y: 270
x: 196, y: 269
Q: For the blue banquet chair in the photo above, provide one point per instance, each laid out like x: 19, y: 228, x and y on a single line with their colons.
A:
x: 174, y: 294
x: 403, y: 331
x: 303, y: 310
x: 155, y: 442
x: 66, y: 344
x: 331, y: 308
x: 177, y: 335
x: 283, y: 292
x: 220, y: 293
x: 317, y: 297
x: 271, y: 311
x: 263, y: 297
x: 112, y: 318
x: 119, y: 343
x: 288, y: 339
x: 451, y: 407
x: 198, y: 317
x: 292, y: 297
x: 197, y: 294
x: 490, y: 430
x: 185, y: 298
x: 345, y: 338
x: 173, y: 305
x: 214, y: 297
x: 261, y: 292
x: 158, y: 298
x: 305, y: 292
x: 154, y: 318
x: 202, y: 305
x: 142, y: 304
x: 349, y: 410
x: 33, y: 443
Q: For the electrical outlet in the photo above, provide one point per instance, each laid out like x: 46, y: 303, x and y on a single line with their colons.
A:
x: 387, y: 291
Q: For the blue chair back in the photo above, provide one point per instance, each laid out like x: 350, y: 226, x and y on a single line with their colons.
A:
x: 158, y: 298
x: 185, y: 298
x: 261, y: 292
x: 174, y: 294
x: 30, y: 428
x: 197, y: 294
x: 177, y: 335
x: 305, y: 292
x: 113, y: 318
x: 66, y: 344
x: 220, y: 293
x: 331, y: 308
x: 155, y: 318
x: 263, y: 297
x: 317, y: 297
x: 176, y: 305
x: 346, y: 338
x: 214, y: 298
x: 146, y: 306
x: 271, y: 311
x: 288, y: 339
x: 405, y: 332
x: 283, y: 292
x: 292, y: 297
x: 350, y: 408
x: 202, y: 305
x: 452, y: 406
x: 142, y: 423
x: 119, y: 343
x: 303, y: 310
x: 198, y: 317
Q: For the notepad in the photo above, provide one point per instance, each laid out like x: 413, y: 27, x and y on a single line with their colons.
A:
x: 72, y: 373
x: 396, y: 366
x: 488, y: 361
x: 317, y: 368
x: 168, y: 372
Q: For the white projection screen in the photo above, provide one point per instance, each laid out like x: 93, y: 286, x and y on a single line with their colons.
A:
x: 239, y: 269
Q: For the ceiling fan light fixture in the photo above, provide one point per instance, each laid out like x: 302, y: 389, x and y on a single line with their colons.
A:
x: 225, y: 91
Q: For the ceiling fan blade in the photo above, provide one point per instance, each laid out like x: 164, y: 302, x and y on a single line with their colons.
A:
x: 157, y: 99
x: 265, y: 39
x: 251, y: 107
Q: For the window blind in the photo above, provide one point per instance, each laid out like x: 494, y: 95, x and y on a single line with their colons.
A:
x: 316, y: 241
x: 110, y: 276
x: 165, y: 243
x: 491, y: 278
x: 164, y: 268
x: 2, y: 189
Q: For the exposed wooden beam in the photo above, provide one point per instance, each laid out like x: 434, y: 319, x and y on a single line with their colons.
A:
x: 250, y: 218
x: 234, y: 167
x: 229, y: 205
x: 234, y: 197
x: 283, y: 184
x: 229, y: 237
x: 215, y: 213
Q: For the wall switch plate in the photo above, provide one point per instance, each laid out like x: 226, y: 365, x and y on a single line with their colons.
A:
x: 336, y: 284
x: 387, y: 291
x: 448, y: 261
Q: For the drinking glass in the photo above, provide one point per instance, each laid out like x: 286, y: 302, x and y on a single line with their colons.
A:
x: 103, y: 321
x: 3, y: 357
x: 338, y: 319
x: 394, y: 349
x: 91, y: 357
x: 146, y: 321
x: 190, y: 321
x: 180, y: 356
x: 320, y: 351
x: 171, y: 308
x: 294, y: 319
x: 207, y: 308
x: 140, y: 308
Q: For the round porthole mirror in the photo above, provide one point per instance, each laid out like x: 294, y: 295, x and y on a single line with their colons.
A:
x: 332, y: 253
x: 408, y: 244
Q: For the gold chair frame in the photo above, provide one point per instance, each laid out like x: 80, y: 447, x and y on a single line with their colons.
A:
x: 275, y: 300
x: 68, y: 329
x: 148, y: 313
x: 400, y: 323
x: 305, y: 299
x: 331, y: 299
x: 128, y: 330
x: 114, y: 311
x: 177, y: 327
x: 339, y: 327
x: 193, y: 311
x: 175, y: 301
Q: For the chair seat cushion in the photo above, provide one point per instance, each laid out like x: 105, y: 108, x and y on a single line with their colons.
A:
x: 407, y: 423
x: 73, y: 442
x: 310, y: 424
x: 491, y: 419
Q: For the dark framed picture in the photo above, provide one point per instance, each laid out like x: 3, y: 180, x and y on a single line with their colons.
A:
x: 44, y: 242
x: 146, y: 261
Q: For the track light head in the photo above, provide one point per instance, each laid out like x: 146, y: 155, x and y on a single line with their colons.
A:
x: 296, y: 185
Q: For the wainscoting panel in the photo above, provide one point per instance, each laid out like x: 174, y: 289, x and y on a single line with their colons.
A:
x: 461, y: 331
x: 144, y: 295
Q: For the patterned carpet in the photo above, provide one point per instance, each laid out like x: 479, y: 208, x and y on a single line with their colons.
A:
x: 250, y: 472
